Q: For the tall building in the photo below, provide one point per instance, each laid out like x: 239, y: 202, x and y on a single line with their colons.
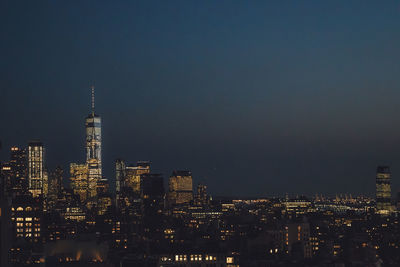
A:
x: 57, y: 180
x: 36, y: 172
x: 201, y: 197
x: 93, y: 149
x: 152, y: 186
x: 128, y: 182
x: 297, y: 239
x: 133, y: 174
x: 152, y: 193
x: 119, y: 175
x: 5, y: 222
x: 79, y: 180
x: 383, y: 191
x: 17, y: 179
x: 119, y: 179
x: 55, y: 186
x: 102, y: 186
x: 180, y: 187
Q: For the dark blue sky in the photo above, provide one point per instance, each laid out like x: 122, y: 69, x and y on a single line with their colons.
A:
x: 256, y: 98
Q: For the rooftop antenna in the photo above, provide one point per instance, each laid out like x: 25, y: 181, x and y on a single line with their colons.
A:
x: 92, y: 99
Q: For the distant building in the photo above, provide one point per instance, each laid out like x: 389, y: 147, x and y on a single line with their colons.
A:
x: 383, y: 191
x: 133, y: 174
x: 26, y: 214
x: 152, y: 186
x: 297, y: 206
x: 17, y: 180
x: 102, y: 186
x: 79, y: 180
x: 36, y: 172
x: 201, y: 197
x: 104, y: 202
x: 55, y: 182
x: 398, y: 201
x: 297, y: 240
x: 93, y: 149
x: 5, y: 222
x: 180, y: 187
x: 119, y: 174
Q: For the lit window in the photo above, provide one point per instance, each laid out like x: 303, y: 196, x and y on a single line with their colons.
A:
x: 229, y: 259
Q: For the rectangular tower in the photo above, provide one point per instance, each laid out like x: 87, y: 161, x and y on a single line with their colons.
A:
x: 383, y: 190
x: 36, y: 173
x: 119, y: 179
x: 180, y: 187
x: 119, y: 175
x: 133, y: 174
x: 18, y: 164
x: 79, y: 180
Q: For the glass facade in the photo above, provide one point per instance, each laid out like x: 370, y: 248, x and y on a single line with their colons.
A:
x: 36, y: 171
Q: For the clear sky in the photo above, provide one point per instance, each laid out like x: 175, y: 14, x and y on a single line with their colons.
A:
x: 255, y: 97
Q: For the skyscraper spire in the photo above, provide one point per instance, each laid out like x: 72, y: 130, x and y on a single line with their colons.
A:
x: 93, y: 149
x: 92, y: 99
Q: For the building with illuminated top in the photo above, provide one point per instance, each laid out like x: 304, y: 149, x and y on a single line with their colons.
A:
x: 93, y: 149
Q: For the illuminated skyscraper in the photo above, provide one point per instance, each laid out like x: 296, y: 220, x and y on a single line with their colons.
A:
x: 119, y: 179
x: 180, y: 187
x: 16, y: 180
x: 128, y: 180
x: 36, y: 172
x: 133, y: 174
x: 55, y: 186
x: 93, y: 149
x: 119, y: 175
x: 383, y: 191
x: 79, y: 180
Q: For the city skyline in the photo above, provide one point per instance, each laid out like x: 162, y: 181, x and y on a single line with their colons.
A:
x: 94, y: 155
x: 302, y: 102
x: 199, y: 133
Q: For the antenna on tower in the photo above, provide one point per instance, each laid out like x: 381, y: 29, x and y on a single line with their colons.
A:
x: 92, y: 99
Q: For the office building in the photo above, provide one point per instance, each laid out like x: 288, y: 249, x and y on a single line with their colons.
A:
x: 93, y: 149
x: 36, y: 172
x: 119, y: 175
x: 201, y: 197
x: 180, y: 187
x: 297, y: 239
x: 17, y: 181
x: 152, y: 186
x: 26, y: 214
x: 79, y: 180
x: 383, y: 190
x: 102, y: 186
x: 133, y: 174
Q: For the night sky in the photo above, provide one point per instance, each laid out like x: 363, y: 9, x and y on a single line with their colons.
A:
x: 257, y: 98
